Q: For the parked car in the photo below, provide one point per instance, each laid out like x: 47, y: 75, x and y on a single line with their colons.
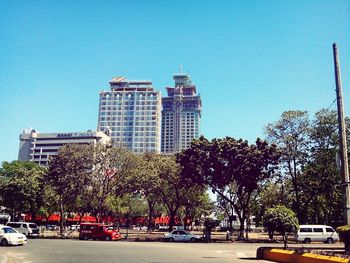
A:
x: 26, y: 228
x: 317, y: 233
x: 163, y: 228
x: 52, y: 227
x: 98, y: 231
x: 9, y: 236
x: 140, y: 228
x: 74, y: 227
x: 181, y: 235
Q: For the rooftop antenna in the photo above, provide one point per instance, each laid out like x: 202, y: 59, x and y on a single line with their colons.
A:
x: 180, y: 69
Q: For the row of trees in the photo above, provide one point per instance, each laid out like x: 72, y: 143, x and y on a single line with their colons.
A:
x: 103, y: 181
x: 295, y: 167
x: 308, y: 180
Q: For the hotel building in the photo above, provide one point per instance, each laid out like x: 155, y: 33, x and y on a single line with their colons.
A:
x: 131, y: 113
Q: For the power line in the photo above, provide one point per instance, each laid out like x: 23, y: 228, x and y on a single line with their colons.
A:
x: 332, y: 104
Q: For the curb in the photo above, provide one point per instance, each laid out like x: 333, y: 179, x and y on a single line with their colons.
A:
x: 289, y: 256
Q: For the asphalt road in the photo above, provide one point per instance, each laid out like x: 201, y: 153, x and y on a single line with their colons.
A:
x: 76, y: 251
x: 64, y: 251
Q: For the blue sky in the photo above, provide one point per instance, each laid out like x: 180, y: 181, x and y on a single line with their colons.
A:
x: 250, y: 60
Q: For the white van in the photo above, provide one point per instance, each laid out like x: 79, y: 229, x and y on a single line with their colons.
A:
x: 26, y: 228
x: 317, y: 233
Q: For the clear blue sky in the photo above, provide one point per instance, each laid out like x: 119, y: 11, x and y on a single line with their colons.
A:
x: 250, y: 60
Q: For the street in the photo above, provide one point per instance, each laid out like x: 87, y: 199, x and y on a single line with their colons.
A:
x: 63, y: 251
x: 74, y: 251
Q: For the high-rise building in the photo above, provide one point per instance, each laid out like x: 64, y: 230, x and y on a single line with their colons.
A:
x: 38, y: 147
x: 131, y: 112
x: 180, y: 115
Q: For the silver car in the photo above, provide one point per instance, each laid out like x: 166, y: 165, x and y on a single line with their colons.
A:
x: 181, y: 235
x: 26, y: 228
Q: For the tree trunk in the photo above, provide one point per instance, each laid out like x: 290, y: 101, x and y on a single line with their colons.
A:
x: 61, y: 217
x: 270, y: 234
x: 187, y: 215
x: 247, y: 227
x: 241, y: 228
x: 242, y: 220
x: 285, y: 240
x: 150, y: 214
x: 33, y: 213
x: 80, y: 217
x: 294, y: 174
x: 231, y: 227
x: 171, y: 220
x: 347, y: 247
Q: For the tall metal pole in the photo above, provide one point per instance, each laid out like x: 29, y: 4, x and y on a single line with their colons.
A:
x: 342, y: 137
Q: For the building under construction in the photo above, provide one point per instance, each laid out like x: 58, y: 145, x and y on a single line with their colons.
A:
x: 181, y: 115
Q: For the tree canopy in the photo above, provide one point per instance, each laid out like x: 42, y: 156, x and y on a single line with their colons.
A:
x: 291, y: 134
x: 230, y: 166
x: 21, y: 187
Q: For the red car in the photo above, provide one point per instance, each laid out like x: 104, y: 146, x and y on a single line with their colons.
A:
x: 98, y: 231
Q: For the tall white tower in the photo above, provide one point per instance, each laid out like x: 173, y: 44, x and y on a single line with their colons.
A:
x: 180, y: 115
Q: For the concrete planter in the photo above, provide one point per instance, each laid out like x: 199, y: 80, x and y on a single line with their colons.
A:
x: 289, y: 256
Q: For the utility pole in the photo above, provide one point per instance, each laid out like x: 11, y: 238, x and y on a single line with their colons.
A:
x: 344, y: 169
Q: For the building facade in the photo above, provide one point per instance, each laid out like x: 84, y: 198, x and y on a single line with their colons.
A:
x: 131, y: 112
x: 38, y: 147
x: 181, y: 115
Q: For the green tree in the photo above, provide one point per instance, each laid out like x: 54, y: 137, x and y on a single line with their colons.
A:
x: 273, y: 192
x: 230, y: 166
x: 226, y: 207
x: 69, y: 174
x: 291, y: 133
x: 88, y: 178
x: 321, y: 182
x: 180, y: 198
x: 127, y: 206
x: 21, y: 187
x: 113, y: 168
x: 282, y: 220
x: 146, y: 184
x: 170, y: 186
x: 196, y: 204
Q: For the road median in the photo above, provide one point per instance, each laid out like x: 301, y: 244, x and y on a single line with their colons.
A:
x: 291, y: 256
x: 130, y: 235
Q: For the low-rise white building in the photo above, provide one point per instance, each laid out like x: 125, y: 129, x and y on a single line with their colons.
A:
x: 38, y: 147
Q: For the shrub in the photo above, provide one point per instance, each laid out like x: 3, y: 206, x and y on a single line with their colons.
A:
x: 280, y: 219
x: 344, y: 234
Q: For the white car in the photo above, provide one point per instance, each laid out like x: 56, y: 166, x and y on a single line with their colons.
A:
x: 9, y: 236
x: 181, y: 235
